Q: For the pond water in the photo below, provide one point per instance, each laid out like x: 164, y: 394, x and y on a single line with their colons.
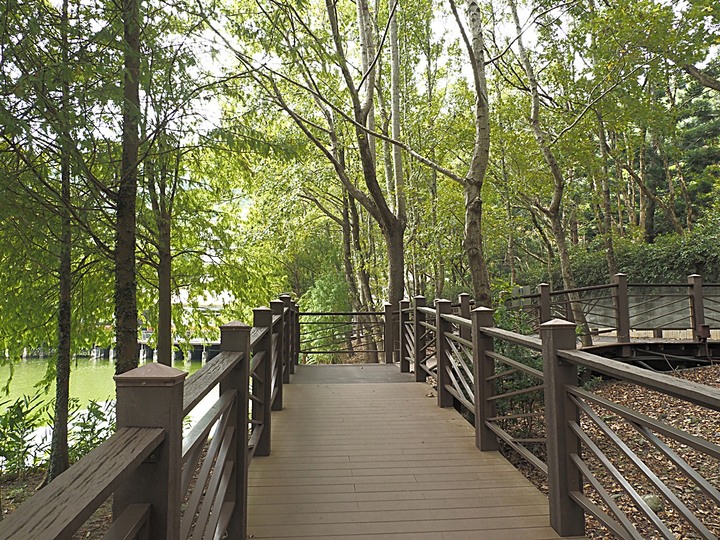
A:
x: 90, y: 379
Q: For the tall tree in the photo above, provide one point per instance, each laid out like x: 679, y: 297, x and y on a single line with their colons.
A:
x: 59, y: 452
x: 126, y: 317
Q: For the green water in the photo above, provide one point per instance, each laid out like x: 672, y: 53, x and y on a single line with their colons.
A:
x: 90, y: 379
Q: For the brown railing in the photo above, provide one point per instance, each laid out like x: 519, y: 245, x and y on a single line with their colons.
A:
x: 621, y: 307
x: 164, y: 485
x: 524, y: 392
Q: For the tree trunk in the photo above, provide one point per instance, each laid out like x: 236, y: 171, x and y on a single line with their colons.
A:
x: 606, y: 208
x: 126, y: 319
x: 392, y: 226
x: 164, y: 330
x: 472, y: 189
x: 161, y: 198
x: 59, y: 452
x: 554, y: 211
x: 348, y: 256
x: 363, y: 277
x: 398, y: 175
x: 510, y: 253
x: 473, y: 245
x: 394, y: 243
x: 370, y: 322
x: 395, y: 246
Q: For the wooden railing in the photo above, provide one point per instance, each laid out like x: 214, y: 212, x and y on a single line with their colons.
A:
x: 523, y: 392
x: 621, y: 307
x: 166, y: 485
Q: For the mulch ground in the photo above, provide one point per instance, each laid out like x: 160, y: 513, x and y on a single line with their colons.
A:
x: 15, y: 490
x: 680, y: 414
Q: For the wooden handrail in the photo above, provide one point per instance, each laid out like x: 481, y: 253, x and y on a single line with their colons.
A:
x: 205, y: 379
x: 144, y: 475
x: 697, y: 393
x: 60, y: 508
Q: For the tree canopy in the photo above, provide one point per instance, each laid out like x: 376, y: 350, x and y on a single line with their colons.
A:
x: 158, y: 158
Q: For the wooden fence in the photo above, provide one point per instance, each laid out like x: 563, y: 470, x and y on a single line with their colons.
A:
x: 523, y: 392
x: 167, y: 485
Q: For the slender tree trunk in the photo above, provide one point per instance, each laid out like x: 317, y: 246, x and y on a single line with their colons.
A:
x: 164, y: 272
x: 398, y: 175
x: 348, y: 256
x: 554, y: 211
x: 606, y: 208
x: 363, y: 276
x: 370, y: 323
x: 161, y: 198
x: 59, y: 452
x: 392, y: 226
x: 690, y: 214
x: 126, y: 318
x: 472, y: 191
x: 510, y: 253
x: 550, y: 259
x: 394, y: 243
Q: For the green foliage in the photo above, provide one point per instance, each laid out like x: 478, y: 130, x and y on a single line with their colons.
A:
x: 526, y: 403
x: 18, y: 447
x: 328, y: 293
x: 90, y: 427
x: 670, y: 259
x: 21, y: 445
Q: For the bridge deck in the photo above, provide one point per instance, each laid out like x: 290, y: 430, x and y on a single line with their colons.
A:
x: 362, y: 452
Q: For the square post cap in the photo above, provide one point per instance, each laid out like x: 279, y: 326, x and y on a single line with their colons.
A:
x: 152, y: 374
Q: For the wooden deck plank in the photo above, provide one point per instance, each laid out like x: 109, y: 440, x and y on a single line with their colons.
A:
x: 381, y: 460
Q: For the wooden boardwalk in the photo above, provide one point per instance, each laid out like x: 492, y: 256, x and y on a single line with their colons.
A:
x: 362, y: 452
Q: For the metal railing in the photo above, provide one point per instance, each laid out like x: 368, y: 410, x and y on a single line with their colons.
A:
x: 346, y: 337
x: 620, y: 307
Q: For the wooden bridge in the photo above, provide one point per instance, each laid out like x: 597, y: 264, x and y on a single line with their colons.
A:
x: 361, y: 451
x: 373, y: 451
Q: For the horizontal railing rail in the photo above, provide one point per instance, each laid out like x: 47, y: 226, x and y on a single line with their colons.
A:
x: 60, y: 508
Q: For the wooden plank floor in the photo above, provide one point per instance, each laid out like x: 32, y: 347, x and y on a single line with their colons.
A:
x: 381, y: 460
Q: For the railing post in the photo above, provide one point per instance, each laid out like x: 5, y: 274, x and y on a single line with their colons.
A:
x: 287, y: 338
x: 545, y: 311
x: 296, y: 334
x: 278, y: 356
x: 262, y: 384
x: 152, y: 396
x: 566, y: 517
x: 483, y: 369
x: 420, y: 339
x: 464, y: 299
x: 697, y: 308
x: 404, y: 319
x: 389, y: 334
x: 235, y: 337
x: 442, y: 307
x: 622, y: 307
